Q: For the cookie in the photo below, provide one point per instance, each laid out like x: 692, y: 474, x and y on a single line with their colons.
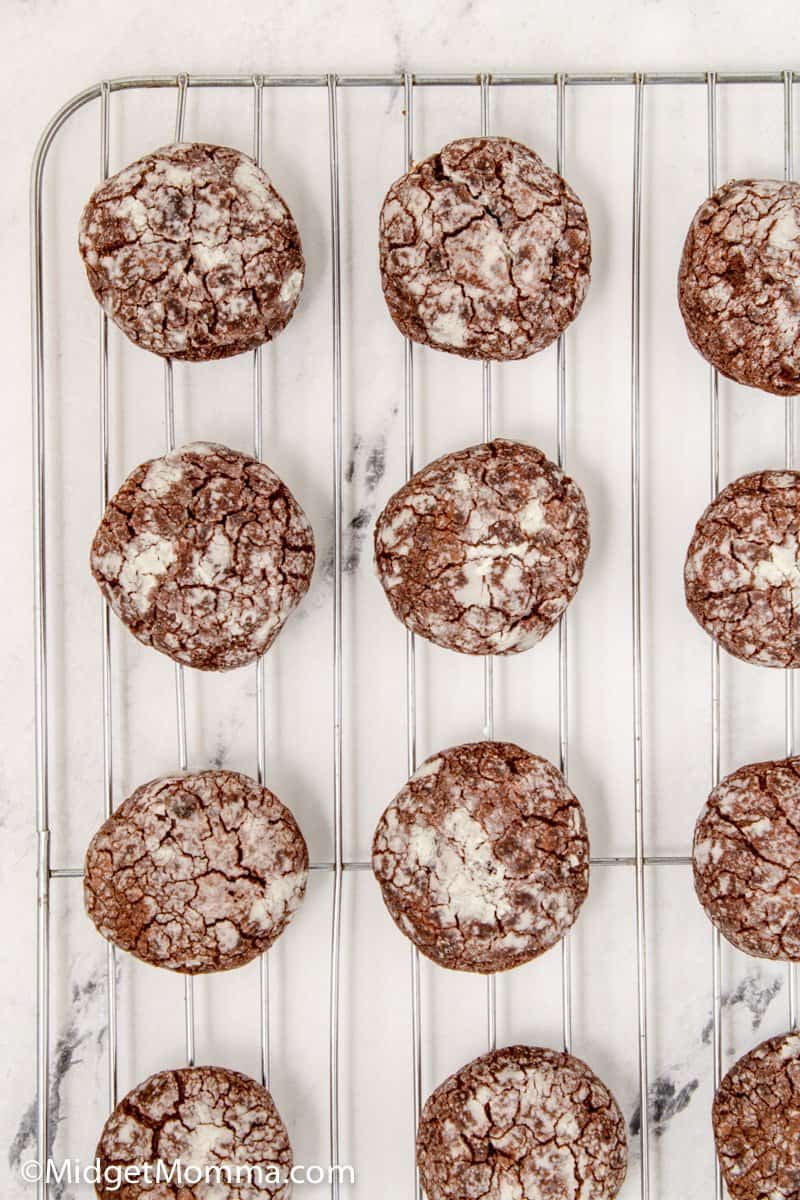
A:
x: 742, y: 574
x: 483, y: 549
x: 484, y: 251
x: 196, y: 872
x: 197, y: 1131
x: 192, y: 252
x: 203, y: 554
x: 522, y: 1122
x: 739, y: 283
x: 483, y: 857
x: 746, y: 858
x: 756, y: 1119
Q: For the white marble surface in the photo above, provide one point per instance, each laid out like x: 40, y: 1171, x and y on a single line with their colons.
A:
x: 54, y: 50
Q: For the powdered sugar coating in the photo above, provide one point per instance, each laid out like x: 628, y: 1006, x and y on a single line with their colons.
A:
x: 522, y: 1123
x: 747, y: 858
x: 739, y: 283
x: 484, y: 251
x: 483, y: 549
x: 756, y: 1117
x: 192, y: 252
x: 204, y: 1117
x: 203, y: 554
x: 483, y: 857
x: 742, y: 572
x: 196, y: 872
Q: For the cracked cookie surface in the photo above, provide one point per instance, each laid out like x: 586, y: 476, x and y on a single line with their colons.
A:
x: 756, y: 1119
x: 523, y: 1122
x: 742, y: 571
x: 206, y: 1117
x: 483, y: 857
x: 196, y: 872
x: 192, y: 252
x: 746, y: 858
x: 203, y: 554
x: 484, y: 251
x: 739, y: 283
x: 483, y: 549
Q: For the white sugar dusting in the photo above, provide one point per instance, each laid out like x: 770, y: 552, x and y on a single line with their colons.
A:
x: 784, y: 234
x: 431, y: 767
x: 532, y: 518
x: 255, y: 185
x: 291, y: 286
x: 790, y: 1047
x: 162, y: 475
x: 466, y: 875
x: 205, y: 1142
x: 147, y: 557
x: 211, y: 567
x: 780, y: 569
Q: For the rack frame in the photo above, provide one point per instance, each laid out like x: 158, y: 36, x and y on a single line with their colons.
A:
x: 336, y: 866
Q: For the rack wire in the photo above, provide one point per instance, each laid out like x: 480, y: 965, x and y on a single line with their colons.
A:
x: 337, y: 866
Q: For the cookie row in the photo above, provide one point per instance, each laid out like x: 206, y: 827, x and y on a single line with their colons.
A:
x: 205, y: 552
x: 482, y: 859
x: 521, y: 1121
x: 484, y: 252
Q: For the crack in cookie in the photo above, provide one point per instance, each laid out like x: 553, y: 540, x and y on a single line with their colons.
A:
x: 192, y: 252
x: 484, y: 251
x: 196, y: 872
x: 483, y: 857
x: 742, y: 571
x: 739, y: 283
x: 203, y: 554
x: 483, y: 549
x: 522, y: 1122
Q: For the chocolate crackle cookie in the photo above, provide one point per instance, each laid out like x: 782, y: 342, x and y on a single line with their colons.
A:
x: 196, y: 872
x: 203, y: 554
x: 192, y: 252
x: 747, y: 858
x: 197, y: 1131
x: 484, y: 251
x: 522, y: 1122
x: 483, y: 549
x: 756, y: 1118
x: 742, y: 572
x: 739, y: 283
x: 483, y: 858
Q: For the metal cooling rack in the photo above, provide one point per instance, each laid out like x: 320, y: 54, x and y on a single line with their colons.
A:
x: 336, y: 867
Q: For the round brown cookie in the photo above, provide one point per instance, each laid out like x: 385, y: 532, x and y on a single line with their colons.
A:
x: 483, y: 549
x: 484, y: 251
x: 203, y: 554
x: 739, y: 283
x: 192, y: 252
x: 217, y: 1124
x: 483, y: 857
x: 522, y: 1122
x: 746, y: 858
x: 756, y: 1118
x: 196, y: 872
x: 742, y: 575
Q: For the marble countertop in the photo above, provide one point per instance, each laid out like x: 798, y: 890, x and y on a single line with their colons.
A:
x: 53, y: 51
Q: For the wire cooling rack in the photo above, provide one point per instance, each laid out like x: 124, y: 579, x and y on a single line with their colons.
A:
x: 336, y: 866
